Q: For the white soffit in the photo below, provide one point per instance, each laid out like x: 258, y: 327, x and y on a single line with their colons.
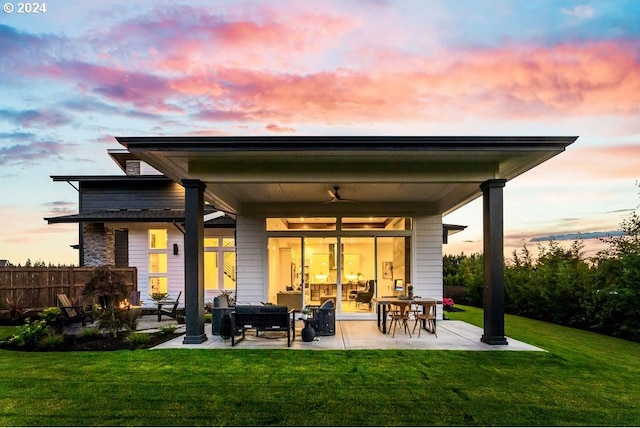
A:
x: 444, y: 172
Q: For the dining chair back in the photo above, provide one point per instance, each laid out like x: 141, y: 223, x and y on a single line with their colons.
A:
x: 426, y: 314
x: 400, y: 314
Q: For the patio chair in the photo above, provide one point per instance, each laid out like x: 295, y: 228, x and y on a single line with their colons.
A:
x: 323, y: 318
x: 400, y: 314
x: 366, y: 295
x: 173, y: 313
x: 428, y: 317
x: 74, y: 313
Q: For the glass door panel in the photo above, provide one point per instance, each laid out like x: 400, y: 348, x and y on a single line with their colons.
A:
x: 358, y: 269
x: 285, y: 285
x: 210, y: 270
x: 229, y: 270
x: 321, y: 270
x: 394, y: 266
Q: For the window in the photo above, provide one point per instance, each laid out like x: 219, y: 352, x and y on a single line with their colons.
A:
x: 301, y: 223
x: 219, y: 263
x: 376, y: 223
x: 211, y: 272
x: 158, y: 284
x: 158, y: 261
x: 323, y: 257
x: 158, y: 239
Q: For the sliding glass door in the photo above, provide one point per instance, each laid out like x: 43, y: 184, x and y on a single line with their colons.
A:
x: 285, y: 281
x: 321, y: 260
x: 329, y: 258
x: 358, y: 274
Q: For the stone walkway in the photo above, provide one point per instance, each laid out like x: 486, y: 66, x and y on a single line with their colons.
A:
x: 146, y: 323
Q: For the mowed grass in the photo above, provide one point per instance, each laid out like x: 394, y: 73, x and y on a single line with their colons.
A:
x: 583, y: 379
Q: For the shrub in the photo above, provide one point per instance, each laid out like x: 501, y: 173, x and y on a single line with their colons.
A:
x: 447, y: 303
x: 106, y: 285
x: 30, y: 333
x: 208, y: 307
x: 89, y: 332
x: 52, y: 341
x: 51, y: 315
x: 138, y: 339
x: 207, y: 318
x: 169, y: 329
x: 16, y: 308
x: 109, y: 288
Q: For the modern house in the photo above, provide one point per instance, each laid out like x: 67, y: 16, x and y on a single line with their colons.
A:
x: 137, y: 219
x: 315, y: 217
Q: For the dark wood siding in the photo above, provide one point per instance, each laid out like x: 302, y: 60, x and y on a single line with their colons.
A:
x: 99, y: 196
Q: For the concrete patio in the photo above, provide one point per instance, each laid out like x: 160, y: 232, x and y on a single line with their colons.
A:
x: 452, y: 335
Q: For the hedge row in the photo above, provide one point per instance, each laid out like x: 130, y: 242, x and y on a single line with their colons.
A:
x: 600, y: 294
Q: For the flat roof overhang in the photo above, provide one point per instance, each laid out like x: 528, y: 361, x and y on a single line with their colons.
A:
x: 139, y: 216
x: 437, y: 174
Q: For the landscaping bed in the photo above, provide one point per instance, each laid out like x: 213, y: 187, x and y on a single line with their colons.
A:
x: 94, y: 343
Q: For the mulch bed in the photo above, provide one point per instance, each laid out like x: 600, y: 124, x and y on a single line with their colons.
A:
x: 101, y: 343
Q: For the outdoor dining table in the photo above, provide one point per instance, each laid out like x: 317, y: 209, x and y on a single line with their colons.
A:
x: 383, y: 304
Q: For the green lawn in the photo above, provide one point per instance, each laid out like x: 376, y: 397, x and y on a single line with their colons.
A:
x: 584, y: 379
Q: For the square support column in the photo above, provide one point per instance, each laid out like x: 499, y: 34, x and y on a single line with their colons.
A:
x: 194, y: 261
x: 493, y: 240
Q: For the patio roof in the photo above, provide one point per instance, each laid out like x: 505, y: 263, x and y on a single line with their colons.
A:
x: 437, y: 173
x: 383, y: 175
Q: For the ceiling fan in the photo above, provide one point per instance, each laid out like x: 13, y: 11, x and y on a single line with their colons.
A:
x: 335, y: 196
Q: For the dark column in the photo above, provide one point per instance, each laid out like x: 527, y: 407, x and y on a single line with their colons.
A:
x: 194, y: 261
x: 493, y: 295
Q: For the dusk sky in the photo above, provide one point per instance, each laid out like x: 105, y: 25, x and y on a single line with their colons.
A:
x: 82, y: 72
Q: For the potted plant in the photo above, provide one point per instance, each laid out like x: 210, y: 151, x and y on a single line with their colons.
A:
x: 410, y: 291
x: 308, y: 333
x: 157, y: 297
x: 224, y: 295
x: 305, y: 312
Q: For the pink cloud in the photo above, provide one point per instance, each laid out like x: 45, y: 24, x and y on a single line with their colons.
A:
x: 276, y: 128
x: 144, y: 90
x: 264, y: 67
x: 615, y: 162
x: 602, y: 78
x: 195, y: 39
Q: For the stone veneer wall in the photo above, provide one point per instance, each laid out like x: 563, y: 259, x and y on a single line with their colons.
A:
x: 99, y: 244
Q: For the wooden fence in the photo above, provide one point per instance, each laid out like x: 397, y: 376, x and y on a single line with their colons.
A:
x: 37, y: 287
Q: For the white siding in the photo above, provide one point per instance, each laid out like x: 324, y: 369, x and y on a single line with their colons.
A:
x: 139, y: 257
x: 251, y: 245
x: 427, y: 267
x: 175, y: 264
